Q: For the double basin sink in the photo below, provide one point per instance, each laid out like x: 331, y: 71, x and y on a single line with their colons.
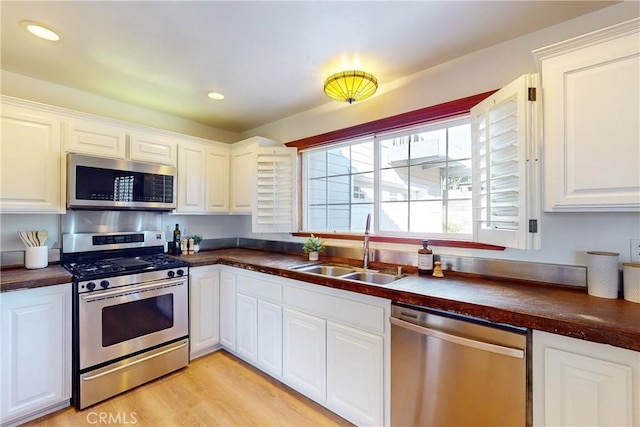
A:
x: 350, y: 273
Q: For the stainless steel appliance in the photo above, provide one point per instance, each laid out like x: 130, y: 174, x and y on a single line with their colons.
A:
x: 130, y: 311
x: 101, y: 183
x: 456, y: 371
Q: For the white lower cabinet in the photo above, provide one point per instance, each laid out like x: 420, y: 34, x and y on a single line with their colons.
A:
x: 228, y: 309
x: 270, y: 337
x: 35, y: 353
x: 304, y: 359
x: 330, y: 345
x: 354, y: 373
x: 247, y: 327
x: 582, y: 383
x: 204, y: 302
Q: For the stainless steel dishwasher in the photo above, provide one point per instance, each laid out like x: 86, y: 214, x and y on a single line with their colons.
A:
x: 450, y: 370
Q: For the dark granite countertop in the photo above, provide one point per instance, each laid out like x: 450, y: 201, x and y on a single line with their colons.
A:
x: 563, y: 310
x: 15, y: 279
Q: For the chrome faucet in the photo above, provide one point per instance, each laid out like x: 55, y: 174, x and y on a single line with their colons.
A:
x: 365, y: 257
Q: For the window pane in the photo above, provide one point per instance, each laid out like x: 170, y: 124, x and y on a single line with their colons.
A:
x: 394, y: 216
x: 362, y: 157
x: 459, y: 220
x: 394, y: 184
x: 317, y: 218
x: 359, y: 217
x: 362, y: 188
x: 316, y: 164
x: 429, y: 146
x: 460, y: 142
x: 317, y: 191
x: 394, y: 152
x: 338, y: 218
x: 426, y: 181
x: 338, y: 161
x: 427, y: 217
x: 339, y: 189
x: 459, y: 180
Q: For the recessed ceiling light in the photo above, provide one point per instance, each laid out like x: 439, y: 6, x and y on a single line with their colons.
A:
x: 215, y: 95
x: 40, y: 31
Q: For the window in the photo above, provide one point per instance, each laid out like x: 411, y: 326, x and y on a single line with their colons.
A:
x: 414, y: 182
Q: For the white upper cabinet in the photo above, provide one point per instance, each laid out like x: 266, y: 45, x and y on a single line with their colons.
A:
x: 32, y: 169
x: 147, y: 147
x: 591, y: 88
x: 95, y: 138
x: 203, y: 178
x: 506, y: 166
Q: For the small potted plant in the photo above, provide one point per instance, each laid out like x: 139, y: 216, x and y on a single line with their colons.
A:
x: 312, y: 246
x: 196, y: 243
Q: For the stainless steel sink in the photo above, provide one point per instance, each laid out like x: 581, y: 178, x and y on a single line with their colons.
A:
x: 371, y: 277
x: 350, y: 273
x: 326, y: 270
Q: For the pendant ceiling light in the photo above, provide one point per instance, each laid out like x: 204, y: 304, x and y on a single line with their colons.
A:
x: 350, y: 86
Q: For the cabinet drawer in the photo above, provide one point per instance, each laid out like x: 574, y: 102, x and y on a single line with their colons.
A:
x: 259, y: 288
x: 360, y: 315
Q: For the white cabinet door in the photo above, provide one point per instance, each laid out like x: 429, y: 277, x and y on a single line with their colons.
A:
x: 270, y: 338
x: 580, y: 383
x: 95, y: 138
x: 591, y: 90
x: 147, y: 147
x: 304, y: 354
x: 247, y: 327
x: 31, y: 162
x: 204, y: 316
x: 242, y: 181
x: 228, y: 309
x: 191, y: 178
x: 355, y: 374
x: 217, y: 188
x: 35, y: 352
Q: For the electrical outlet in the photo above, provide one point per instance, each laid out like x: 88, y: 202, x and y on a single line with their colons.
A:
x: 635, y: 250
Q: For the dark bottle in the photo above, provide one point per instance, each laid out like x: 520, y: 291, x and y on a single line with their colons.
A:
x: 176, y: 240
x: 425, y: 259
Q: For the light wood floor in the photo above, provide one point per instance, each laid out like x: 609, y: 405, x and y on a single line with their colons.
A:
x: 214, y: 390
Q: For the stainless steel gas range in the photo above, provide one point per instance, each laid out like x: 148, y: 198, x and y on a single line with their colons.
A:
x: 130, y: 311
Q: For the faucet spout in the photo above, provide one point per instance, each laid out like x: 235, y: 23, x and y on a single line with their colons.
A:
x: 365, y: 257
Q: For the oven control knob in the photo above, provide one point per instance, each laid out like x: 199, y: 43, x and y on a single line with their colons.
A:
x: 91, y: 286
x: 171, y: 273
x: 180, y: 272
x: 104, y: 284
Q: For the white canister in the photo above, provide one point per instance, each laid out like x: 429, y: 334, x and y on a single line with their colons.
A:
x: 36, y: 257
x: 602, y: 274
x: 631, y: 281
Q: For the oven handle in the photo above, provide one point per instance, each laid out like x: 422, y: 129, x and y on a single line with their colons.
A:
x: 136, y: 362
x: 148, y: 287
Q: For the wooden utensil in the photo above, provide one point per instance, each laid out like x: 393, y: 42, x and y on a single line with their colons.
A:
x: 42, y: 236
x: 23, y: 236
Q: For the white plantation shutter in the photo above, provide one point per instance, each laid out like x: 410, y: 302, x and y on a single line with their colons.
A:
x: 506, y: 167
x: 275, y: 208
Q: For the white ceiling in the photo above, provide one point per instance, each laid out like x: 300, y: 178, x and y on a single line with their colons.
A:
x: 269, y: 58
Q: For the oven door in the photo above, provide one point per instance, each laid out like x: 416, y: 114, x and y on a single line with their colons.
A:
x: 118, y: 322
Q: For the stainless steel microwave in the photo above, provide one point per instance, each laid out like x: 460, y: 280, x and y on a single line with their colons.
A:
x: 101, y: 183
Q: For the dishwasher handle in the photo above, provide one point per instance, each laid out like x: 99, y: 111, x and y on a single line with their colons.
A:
x: 493, y: 348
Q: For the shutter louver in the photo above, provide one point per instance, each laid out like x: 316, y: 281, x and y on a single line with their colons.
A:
x: 504, y: 154
x: 275, y: 199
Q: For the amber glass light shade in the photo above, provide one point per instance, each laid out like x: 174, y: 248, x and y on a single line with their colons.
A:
x: 350, y: 86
